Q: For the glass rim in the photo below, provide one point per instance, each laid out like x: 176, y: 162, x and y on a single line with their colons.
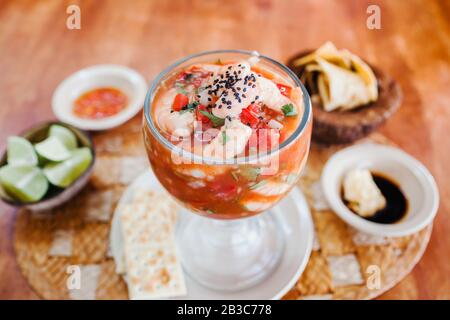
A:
x: 239, y: 160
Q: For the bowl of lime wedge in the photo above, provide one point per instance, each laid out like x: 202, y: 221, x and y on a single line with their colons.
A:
x: 45, y: 166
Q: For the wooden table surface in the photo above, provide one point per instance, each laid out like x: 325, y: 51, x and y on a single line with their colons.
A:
x: 37, y: 51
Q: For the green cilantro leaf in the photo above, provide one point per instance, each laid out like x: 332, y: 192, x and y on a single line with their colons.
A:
x: 217, y: 122
x: 289, y: 110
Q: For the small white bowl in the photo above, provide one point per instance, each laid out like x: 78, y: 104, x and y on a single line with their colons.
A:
x: 125, y: 79
x: 416, y: 183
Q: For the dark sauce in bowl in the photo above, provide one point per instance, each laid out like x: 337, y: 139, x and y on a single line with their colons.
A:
x: 396, y: 202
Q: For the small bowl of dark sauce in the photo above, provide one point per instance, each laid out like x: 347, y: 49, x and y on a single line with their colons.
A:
x: 396, y: 206
x: 411, y: 194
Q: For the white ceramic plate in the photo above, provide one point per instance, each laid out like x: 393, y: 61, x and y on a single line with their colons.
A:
x: 125, y: 79
x: 414, y: 179
x: 294, y: 218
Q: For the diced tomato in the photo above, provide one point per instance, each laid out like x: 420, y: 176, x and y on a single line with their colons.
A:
x: 179, y: 102
x: 224, y: 190
x: 254, y: 108
x: 200, y: 116
x: 181, y: 77
x: 248, y: 116
x: 285, y: 90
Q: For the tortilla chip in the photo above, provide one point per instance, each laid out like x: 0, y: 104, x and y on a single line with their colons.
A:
x: 366, y: 73
x: 344, y: 82
x: 346, y: 89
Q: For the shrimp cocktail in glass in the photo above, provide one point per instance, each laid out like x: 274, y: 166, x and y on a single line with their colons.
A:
x: 227, y: 134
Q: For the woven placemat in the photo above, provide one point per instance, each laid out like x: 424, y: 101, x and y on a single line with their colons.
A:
x: 73, y: 239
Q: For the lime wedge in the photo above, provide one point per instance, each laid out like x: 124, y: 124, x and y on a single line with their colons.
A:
x: 24, y: 183
x: 62, y: 174
x: 21, y: 152
x: 52, y: 149
x: 64, y: 135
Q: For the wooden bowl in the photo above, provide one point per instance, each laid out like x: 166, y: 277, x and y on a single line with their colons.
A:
x: 55, y: 196
x: 339, y: 127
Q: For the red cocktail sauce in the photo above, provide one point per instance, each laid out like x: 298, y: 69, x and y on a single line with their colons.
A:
x: 100, y: 103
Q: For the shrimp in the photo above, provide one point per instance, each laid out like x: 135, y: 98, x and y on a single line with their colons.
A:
x: 230, y: 141
x: 271, y: 95
x: 179, y: 124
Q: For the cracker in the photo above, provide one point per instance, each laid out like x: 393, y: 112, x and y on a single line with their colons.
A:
x: 89, y: 275
x: 154, y: 272
x: 333, y: 234
x: 62, y: 243
x: 152, y: 268
x: 345, y: 270
x: 316, y: 279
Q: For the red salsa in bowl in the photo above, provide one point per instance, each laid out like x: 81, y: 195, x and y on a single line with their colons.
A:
x: 100, y: 103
